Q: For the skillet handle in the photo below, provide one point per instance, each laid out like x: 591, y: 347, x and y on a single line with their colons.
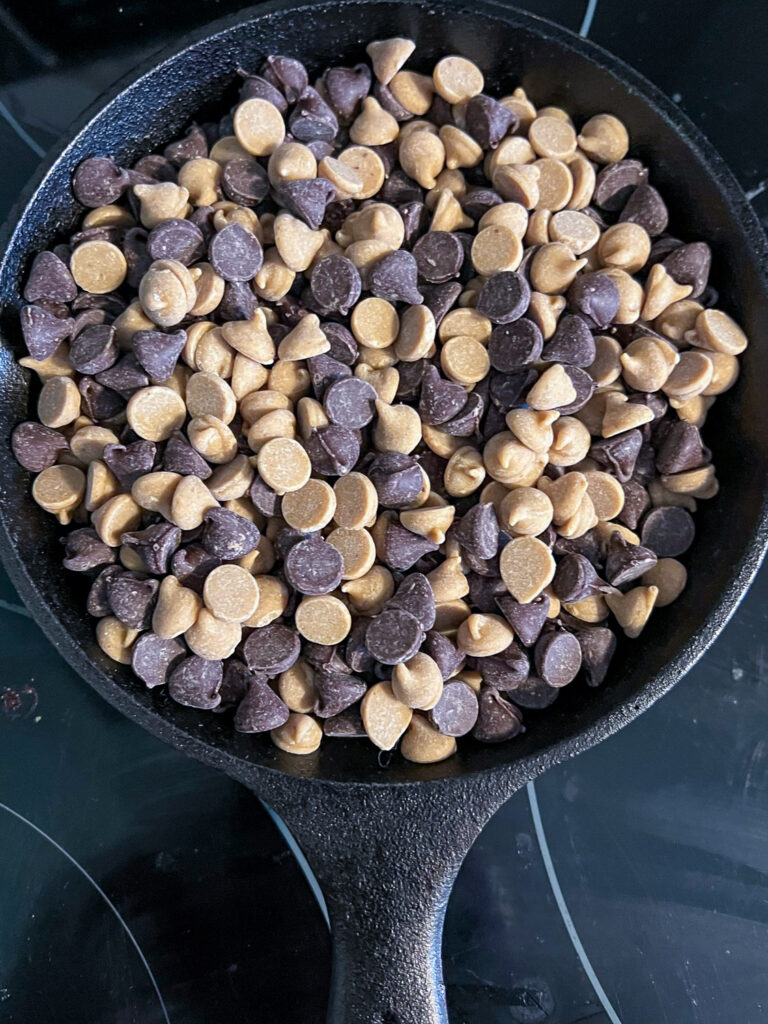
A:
x: 386, y: 857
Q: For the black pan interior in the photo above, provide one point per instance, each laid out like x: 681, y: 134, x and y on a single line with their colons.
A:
x: 554, y: 67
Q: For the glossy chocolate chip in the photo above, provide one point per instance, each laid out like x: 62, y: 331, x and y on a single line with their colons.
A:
x: 478, y: 201
x: 691, y: 264
x: 336, y: 284
x: 456, y: 712
x: 488, y: 121
x: 497, y: 718
x: 572, y: 344
x: 244, y: 181
x: 415, y: 217
x: 313, y: 566
x: 504, y: 298
x: 153, y: 658
x: 98, y: 402
x: 83, y: 550
x: 618, y: 454
x: 350, y: 402
x: 397, y: 478
x: 393, y: 636
x: 180, y: 457
x: 636, y: 503
x: 235, y: 253
x: 132, y: 598
x: 415, y: 595
x: 195, y: 682
x: 625, y: 562
x: 191, y: 565
x: 646, y: 208
x: 287, y: 74
x: 261, y: 709
x: 467, y: 422
x: 49, y: 278
x: 439, y: 256
x: 403, y: 549
x: 394, y: 278
x: 227, y: 535
x: 584, y: 387
x: 343, y: 345
x: 506, y: 390
x: 36, y: 446
x: 272, y: 649
x: 668, y: 531
x: 517, y: 345
x: 595, y: 297
x: 333, y: 450
x: 527, y: 620
x: 129, y: 462
x: 616, y: 182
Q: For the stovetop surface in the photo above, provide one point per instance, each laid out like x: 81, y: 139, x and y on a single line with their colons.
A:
x: 630, y: 885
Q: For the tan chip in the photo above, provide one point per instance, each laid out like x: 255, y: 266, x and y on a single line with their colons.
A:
x: 291, y: 161
x: 212, y: 438
x: 604, y: 139
x: 576, y: 230
x: 626, y: 246
x: 375, y: 323
x: 115, y: 639
x: 457, y: 79
x: 356, y: 501
x: 527, y: 567
x: 397, y: 428
x: 369, y: 593
x: 385, y: 718
x: 554, y: 268
x: 552, y: 137
x: 669, y: 577
x: 448, y: 581
x: 465, y: 360
x: 59, y: 489
x: 719, y: 332
x: 209, y: 395
x: 115, y: 517
x: 311, y: 507
x: 418, y: 682
x: 160, y: 202
x: 356, y: 548
x: 323, y: 620
x: 512, y: 463
x: 553, y: 389
x: 283, y: 465
x: 191, y: 500
x: 422, y: 157
x: 633, y: 609
x: 367, y: 166
x: 59, y: 402
x: 482, y: 636
x: 422, y: 743
x: 231, y: 593
x: 273, y: 597
x: 98, y: 267
x: 525, y: 511
x: 416, y: 335
x: 495, y: 249
x: 388, y: 56
x: 176, y: 610
x: 305, y: 340
x: 373, y: 126
x: 259, y: 126
x: 555, y: 187
x: 301, y: 734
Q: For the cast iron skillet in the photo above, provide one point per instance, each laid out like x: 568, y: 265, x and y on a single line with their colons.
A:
x: 386, y: 843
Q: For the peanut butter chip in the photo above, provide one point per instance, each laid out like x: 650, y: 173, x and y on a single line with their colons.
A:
x: 418, y: 682
x: 273, y: 599
x: 283, y: 465
x: 213, y: 638
x: 59, y: 402
x: 604, y: 139
x: 191, y: 500
x: 669, y: 577
x: 527, y: 567
x: 301, y: 734
x: 633, y: 609
x: 424, y: 744
x: 552, y: 137
x: 482, y: 636
x: 457, y: 79
x: 385, y: 718
x: 259, y: 126
x: 495, y: 249
x: 718, y: 331
x: 356, y: 548
x: 397, y: 428
x: 368, y: 168
x: 115, y: 639
x: 176, y: 610
x: 311, y: 507
x: 59, y: 488
x: 525, y: 511
x: 231, y: 593
x: 356, y: 501
x: 323, y: 620
x: 553, y: 389
x: 388, y: 56
x: 115, y: 517
x: 369, y: 593
x: 375, y: 323
x: 98, y: 267
x: 465, y: 360
x: 606, y: 493
x: 155, y: 412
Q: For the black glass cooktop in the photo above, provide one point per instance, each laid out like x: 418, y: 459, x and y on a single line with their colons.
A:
x: 631, y: 885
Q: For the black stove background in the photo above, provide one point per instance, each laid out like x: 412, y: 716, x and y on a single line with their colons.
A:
x: 138, y: 887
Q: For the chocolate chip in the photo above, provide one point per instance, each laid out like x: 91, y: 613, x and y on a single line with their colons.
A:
x: 235, y: 253
x: 345, y: 88
x: 154, y: 167
x: 397, y: 479
x: 527, y: 620
x: 584, y: 386
x: 504, y: 298
x: 572, y: 343
x: 399, y: 188
x: 155, y: 545
x: 615, y: 182
x: 192, y: 146
x: 690, y: 264
x: 336, y: 284
x: 83, y: 550
x: 324, y: 658
x: 588, y: 545
x: 350, y: 402
x: 402, y: 548
x: 636, y: 502
x: 388, y: 102
x: 195, y: 682
x: 94, y: 349
x: 506, y: 390
x: 176, y: 239
x: 235, y: 683
x: 336, y: 691
x: 488, y: 121
x: 618, y: 454
x: 646, y: 208
x: 625, y: 562
x: 517, y: 345
x: 180, y: 457
x: 596, y: 297
x: 37, y: 447
x: 312, y: 118
x: 97, y: 603
x: 478, y: 531
x: 227, y: 535
x: 98, y: 181
x: 442, y: 651
x: 497, y: 719
x: 306, y: 198
x: 440, y: 298
x: 668, y: 530
x: 505, y: 671
x: 557, y: 657
x: 393, y: 636
x: 598, y: 644
x: 575, y: 579
x: 681, y: 449
x: 414, y: 217
x: 261, y: 709
x: 239, y: 303
x: 346, y: 726
x: 478, y: 201
x: 534, y: 693
x: 314, y: 566
x: 333, y: 450
x: 191, y: 564
x: 439, y: 256
x: 255, y: 87
x: 440, y: 399
x: 49, y: 278
x: 324, y: 371
x: 456, y: 712
x: 125, y: 377
x: 272, y: 649
x: 153, y: 658
x: 264, y: 498
x: 467, y: 422
x: 244, y: 181
x: 394, y: 278
x: 99, y: 403
x: 287, y: 74
x: 157, y: 352
x: 43, y: 332
x: 132, y: 598
x: 129, y: 462
x: 415, y: 595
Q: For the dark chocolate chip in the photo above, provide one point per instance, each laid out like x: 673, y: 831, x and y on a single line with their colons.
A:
x: 324, y: 657
x: 443, y: 652
x: 440, y: 298
x: 467, y: 422
x: 191, y: 564
x: 336, y: 284
x: 618, y: 455
x: 393, y: 636
x: 125, y: 377
x: 625, y: 562
x: 527, y: 620
x: 584, y: 386
x: 497, y: 719
x: 690, y: 264
x: 235, y: 684
x: 668, y: 530
x: 235, y: 253
x: 557, y: 656
x: 49, y: 278
x: 264, y: 498
x: 399, y: 188
x: 94, y: 349
x: 272, y: 649
x: 402, y: 548
x: 180, y: 457
x: 306, y: 198
x: 572, y: 343
x: 350, y: 402
x: 575, y: 579
x: 345, y: 88
x: 98, y: 402
x: 506, y: 390
x: 440, y: 399
x: 255, y: 87
x: 387, y: 100
x: 154, y: 167
x: 504, y: 298
x: 456, y: 712
x: 97, y: 603
x: 506, y: 670
x: 37, y: 447
x: 478, y: 531
x: 333, y: 450
x: 261, y: 709
x: 287, y: 74
x: 646, y: 208
x: 636, y: 502
x: 598, y: 644
x: 415, y: 595
x: 596, y: 297
x: 176, y: 239
x: 478, y: 201
x: 153, y: 658
x: 324, y: 371
x: 615, y: 183
x: 336, y: 691
x: 195, y: 682
x: 488, y: 121
x: 312, y: 118
x: 681, y: 449
x: 346, y: 726
x: 191, y: 147
x: 534, y: 693
x: 397, y: 478
x: 439, y: 256
x: 227, y: 535
x: 517, y: 345
x: 98, y: 181
x: 136, y: 256
x: 129, y: 462
x: 157, y: 352
x: 238, y: 302
x: 132, y: 599
x: 394, y: 278
x: 83, y: 550
x: 155, y: 545
x: 313, y: 566
x: 414, y: 217
x: 244, y: 181
x: 343, y: 345
x: 43, y: 332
